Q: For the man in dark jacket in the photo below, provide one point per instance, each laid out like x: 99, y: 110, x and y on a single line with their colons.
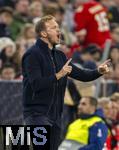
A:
x: 45, y: 72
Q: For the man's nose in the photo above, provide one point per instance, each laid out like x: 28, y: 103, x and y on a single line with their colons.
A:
x: 58, y: 30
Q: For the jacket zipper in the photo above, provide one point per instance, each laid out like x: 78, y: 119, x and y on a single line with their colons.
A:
x: 54, y: 67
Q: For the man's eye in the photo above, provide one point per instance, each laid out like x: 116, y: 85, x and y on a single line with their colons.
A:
x: 53, y: 27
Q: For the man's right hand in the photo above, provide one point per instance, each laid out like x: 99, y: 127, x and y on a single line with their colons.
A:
x: 66, y: 69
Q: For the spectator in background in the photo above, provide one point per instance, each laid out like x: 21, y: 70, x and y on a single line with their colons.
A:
x: 35, y: 11
x: 115, y: 33
x: 8, y: 54
x: 6, y: 18
x: 115, y: 129
x: 91, y: 23
x: 22, y: 7
x: 44, y: 2
x: 88, y: 57
x: 8, y: 50
x: 69, y: 13
x: 114, y: 12
x: 7, y: 72
x: 114, y: 78
x: 27, y: 35
x: 67, y: 36
x: 105, y: 104
x: 20, y: 50
x: 114, y: 54
x: 84, y: 59
x: 114, y: 110
x: 28, y: 32
x: 56, y: 11
x: 107, y: 3
x: 62, y: 3
x: 21, y: 17
x: 89, y: 131
x: 115, y: 99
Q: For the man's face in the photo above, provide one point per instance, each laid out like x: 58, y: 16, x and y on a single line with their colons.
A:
x: 8, y: 74
x: 115, y: 34
x: 108, y: 3
x: 107, y: 108
x: 37, y: 11
x: 30, y: 33
x: 53, y: 32
x: 114, y: 110
x: 85, y: 107
x: 9, y: 51
x: 117, y: 2
x: 22, y: 6
x: 6, y: 18
x: 86, y: 57
x: 79, y: 2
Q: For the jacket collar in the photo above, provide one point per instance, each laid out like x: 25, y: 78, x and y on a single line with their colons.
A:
x: 41, y: 44
x: 98, y: 112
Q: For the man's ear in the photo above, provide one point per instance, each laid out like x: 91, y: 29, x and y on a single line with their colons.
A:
x: 43, y: 34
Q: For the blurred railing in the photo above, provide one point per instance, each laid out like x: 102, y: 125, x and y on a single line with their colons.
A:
x: 108, y: 87
x: 11, y: 102
x: 11, y: 110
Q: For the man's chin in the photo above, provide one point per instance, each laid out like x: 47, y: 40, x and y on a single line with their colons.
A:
x: 80, y: 114
x: 56, y: 43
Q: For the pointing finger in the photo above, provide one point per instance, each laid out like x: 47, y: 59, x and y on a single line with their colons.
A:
x: 106, y: 62
x: 67, y: 63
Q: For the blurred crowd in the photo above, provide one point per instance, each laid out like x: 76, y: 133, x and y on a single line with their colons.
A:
x: 90, y: 34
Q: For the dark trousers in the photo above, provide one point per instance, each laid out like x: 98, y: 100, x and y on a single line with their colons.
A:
x: 55, y: 137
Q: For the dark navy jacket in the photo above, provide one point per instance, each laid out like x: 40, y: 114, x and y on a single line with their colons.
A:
x: 97, y: 134
x: 42, y: 93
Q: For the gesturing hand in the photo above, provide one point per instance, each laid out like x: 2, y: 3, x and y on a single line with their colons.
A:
x: 104, y: 67
x: 66, y: 69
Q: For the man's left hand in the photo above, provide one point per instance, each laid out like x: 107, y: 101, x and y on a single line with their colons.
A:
x: 104, y: 67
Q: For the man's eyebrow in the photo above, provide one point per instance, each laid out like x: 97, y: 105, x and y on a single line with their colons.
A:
x: 83, y: 103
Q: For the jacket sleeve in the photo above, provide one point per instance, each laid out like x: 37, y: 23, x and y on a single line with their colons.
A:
x: 97, y: 137
x: 84, y: 74
x: 32, y: 69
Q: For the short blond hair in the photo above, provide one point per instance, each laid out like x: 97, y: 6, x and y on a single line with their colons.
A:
x: 103, y: 101
x: 115, y: 97
x: 40, y: 25
x: 34, y: 5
